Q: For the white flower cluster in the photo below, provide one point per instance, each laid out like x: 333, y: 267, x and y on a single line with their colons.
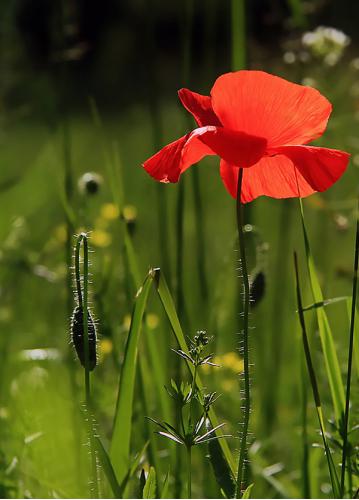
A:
x: 326, y: 43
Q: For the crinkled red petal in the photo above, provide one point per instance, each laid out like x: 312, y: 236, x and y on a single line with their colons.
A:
x: 295, y: 171
x: 235, y: 147
x: 265, y: 105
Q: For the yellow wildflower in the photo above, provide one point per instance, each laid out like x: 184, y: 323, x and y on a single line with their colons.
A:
x: 109, y: 211
x: 105, y: 346
x: 100, y: 238
x: 152, y: 321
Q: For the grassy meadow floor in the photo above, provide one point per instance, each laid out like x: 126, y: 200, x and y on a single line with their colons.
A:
x: 43, y: 450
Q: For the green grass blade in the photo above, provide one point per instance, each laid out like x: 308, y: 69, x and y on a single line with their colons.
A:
x: 159, y: 373
x: 149, y: 491
x: 120, y: 443
x: 325, y: 333
x: 325, y: 303
x: 108, y: 469
x: 132, y: 470
x: 356, y: 334
x: 144, y: 370
x: 238, y: 21
x: 168, y: 305
x: 314, y: 384
x: 221, y: 469
x: 350, y: 359
x: 164, y: 493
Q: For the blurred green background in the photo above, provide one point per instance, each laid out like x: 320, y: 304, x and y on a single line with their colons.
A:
x: 63, y: 63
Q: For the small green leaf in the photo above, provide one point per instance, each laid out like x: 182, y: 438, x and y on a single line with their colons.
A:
x: 149, y: 490
x: 170, y: 436
x: 247, y: 491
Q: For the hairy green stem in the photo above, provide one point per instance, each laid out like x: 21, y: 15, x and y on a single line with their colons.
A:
x: 241, y: 474
x: 350, y: 359
x: 193, y: 388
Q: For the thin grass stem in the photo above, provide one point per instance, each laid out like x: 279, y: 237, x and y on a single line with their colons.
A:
x: 189, y: 471
x: 238, y: 34
x: 305, y: 458
x: 350, y: 359
x: 241, y: 473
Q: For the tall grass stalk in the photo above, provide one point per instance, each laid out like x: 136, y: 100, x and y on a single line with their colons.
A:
x: 241, y: 473
x: 238, y: 30
x: 187, y: 15
x: 325, y: 332
x: 277, y: 318
x: 68, y: 192
x: 82, y: 296
x: 305, y: 458
x: 314, y: 384
x: 350, y: 358
x: 157, y: 134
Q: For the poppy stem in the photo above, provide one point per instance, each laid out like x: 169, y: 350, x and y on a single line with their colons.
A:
x: 241, y: 474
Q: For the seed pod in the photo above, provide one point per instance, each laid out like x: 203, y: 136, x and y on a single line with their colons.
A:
x: 257, y: 288
x: 90, y: 183
x: 77, y: 336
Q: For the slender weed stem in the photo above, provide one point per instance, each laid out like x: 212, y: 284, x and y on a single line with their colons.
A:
x: 241, y: 474
x: 200, y: 236
x: 82, y: 296
x: 350, y: 358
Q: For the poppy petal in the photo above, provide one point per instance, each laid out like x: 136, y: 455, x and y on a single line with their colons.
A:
x: 200, y: 106
x: 235, y: 147
x: 320, y: 167
x: 265, y: 105
x: 165, y: 166
x: 296, y: 171
x: 271, y: 176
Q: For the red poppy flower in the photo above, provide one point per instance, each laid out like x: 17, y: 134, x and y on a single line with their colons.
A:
x: 261, y: 123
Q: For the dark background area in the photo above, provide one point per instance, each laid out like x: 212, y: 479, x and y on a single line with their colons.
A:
x: 117, y: 51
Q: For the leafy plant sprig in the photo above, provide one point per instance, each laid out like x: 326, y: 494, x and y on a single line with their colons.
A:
x: 194, y: 432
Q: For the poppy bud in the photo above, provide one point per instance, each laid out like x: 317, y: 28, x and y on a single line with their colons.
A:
x: 77, y: 336
x: 90, y: 183
x: 257, y: 288
x: 129, y: 215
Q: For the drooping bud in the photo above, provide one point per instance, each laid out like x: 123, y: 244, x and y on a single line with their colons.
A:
x: 77, y: 336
